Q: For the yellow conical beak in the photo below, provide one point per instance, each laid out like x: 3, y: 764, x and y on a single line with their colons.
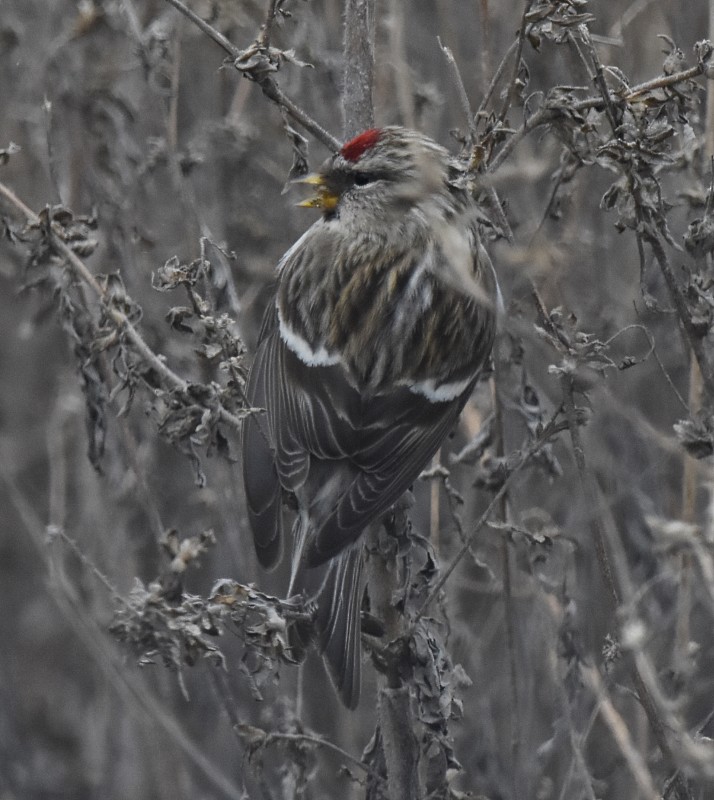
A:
x: 323, y: 197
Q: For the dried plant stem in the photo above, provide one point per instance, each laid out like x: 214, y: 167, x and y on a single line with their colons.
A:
x: 131, y: 691
x: 546, y: 114
x: 592, y: 499
x: 510, y: 92
x: 488, y: 94
x: 267, y: 28
x: 460, y: 89
x: 685, y: 316
x: 509, y: 608
x: 401, y: 75
x: 357, y: 110
x: 593, y: 503
x: 621, y: 734
x: 123, y: 323
x: 691, y: 466
x: 270, y: 88
x: 317, y: 741
x: 400, y: 744
x: 524, y: 457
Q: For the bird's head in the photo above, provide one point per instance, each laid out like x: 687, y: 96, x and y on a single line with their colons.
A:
x: 381, y: 171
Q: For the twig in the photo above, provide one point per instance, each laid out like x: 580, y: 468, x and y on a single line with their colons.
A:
x: 680, y: 303
x: 589, y: 494
x: 621, y: 734
x: 270, y: 88
x: 548, y: 431
x: 663, y: 81
x: 120, y: 319
x: 174, y: 89
x: 496, y: 78
x: 460, y: 88
x: 593, y: 502
x: 546, y: 114
x: 542, y: 116
x: 509, y: 610
x: 328, y: 745
x: 209, y: 30
x: 599, y: 77
x: 128, y: 688
x: 395, y: 24
x: 357, y: 110
x: 266, y: 29
x: 508, y: 99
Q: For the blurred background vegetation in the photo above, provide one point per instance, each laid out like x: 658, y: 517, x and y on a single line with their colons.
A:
x: 123, y: 110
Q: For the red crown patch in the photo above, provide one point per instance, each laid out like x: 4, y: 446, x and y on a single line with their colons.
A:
x: 357, y: 147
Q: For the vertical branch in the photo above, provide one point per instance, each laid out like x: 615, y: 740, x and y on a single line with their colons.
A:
x: 591, y: 497
x: 511, y: 91
x: 684, y: 313
x: 485, y: 42
x: 509, y: 610
x: 401, y: 747
x: 691, y: 467
x: 358, y: 113
x: 400, y: 68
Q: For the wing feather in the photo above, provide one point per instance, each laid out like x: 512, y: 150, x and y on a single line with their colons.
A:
x: 260, y: 476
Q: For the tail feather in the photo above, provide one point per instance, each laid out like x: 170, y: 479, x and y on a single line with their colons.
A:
x: 335, y: 588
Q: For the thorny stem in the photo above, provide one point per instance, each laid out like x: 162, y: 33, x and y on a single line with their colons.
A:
x: 120, y: 319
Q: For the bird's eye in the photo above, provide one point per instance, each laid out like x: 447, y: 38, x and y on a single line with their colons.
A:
x: 363, y: 178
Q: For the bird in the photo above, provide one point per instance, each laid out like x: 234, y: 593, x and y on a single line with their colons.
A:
x: 385, y: 313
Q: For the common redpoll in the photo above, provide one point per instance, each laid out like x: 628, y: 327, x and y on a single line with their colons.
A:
x: 384, y: 315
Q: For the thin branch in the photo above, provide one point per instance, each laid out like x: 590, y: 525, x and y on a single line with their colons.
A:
x: 270, y: 88
x: 120, y: 319
x: 593, y: 502
x: 276, y: 738
x: 266, y: 30
x: 546, y: 114
x: 508, y: 99
x: 496, y: 78
x: 680, y: 303
x: 621, y: 734
x: 523, y: 458
x: 209, y: 30
x: 129, y: 689
x: 358, y: 113
x: 460, y: 88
